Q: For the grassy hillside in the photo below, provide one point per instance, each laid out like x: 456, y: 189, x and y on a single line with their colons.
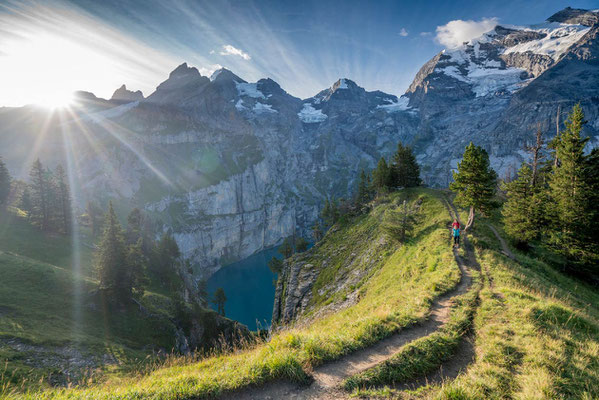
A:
x: 49, y: 319
x: 536, y: 335
x: 535, y: 331
x: 399, y: 284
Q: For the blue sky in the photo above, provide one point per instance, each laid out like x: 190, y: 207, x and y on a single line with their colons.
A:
x: 303, y: 45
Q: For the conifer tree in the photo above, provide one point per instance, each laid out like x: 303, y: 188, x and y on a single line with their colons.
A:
x: 286, y: 249
x: 4, y: 184
x: 474, y: 182
x: 136, y: 264
x: 134, y: 226
x: 570, y: 191
x: 301, y: 245
x: 25, y: 201
x: 111, y: 256
x: 63, y: 200
x: 405, y: 170
x: 165, y: 257
x: 381, y: 176
x: 316, y: 231
x: 519, y: 222
x: 364, y: 189
x: 330, y: 212
x: 40, y: 196
x: 220, y: 299
x: 276, y: 265
x: 94, y: 215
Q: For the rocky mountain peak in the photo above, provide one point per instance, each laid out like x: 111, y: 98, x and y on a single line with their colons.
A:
x: 122, y: 94
x: 184, y: 70
x: 575, y: 16
x: 223, y: 74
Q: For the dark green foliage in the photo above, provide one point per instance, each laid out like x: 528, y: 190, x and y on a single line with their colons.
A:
x: 520, y: 220
x: 276, y: 265
x: 220, y: 299
x: 25, y: 201
x: 93, y: 216
x: 364, y: 194
x: 286, y: 249
x: 399, y: 223
x: 203, y: 291
x: 330, y: 212
x: 40, y: 199
x: 316, y: 231
x: 301, y: 245
x: 572, y: 192
x: 4, y: 183
x: 474, y: 182
x: 62, y: 201
x: 134, y: 226
x: 136, y: 264
x: 405, y: 171
x: 382, y: 178
x: 111, y: 257
x: 164, y: 259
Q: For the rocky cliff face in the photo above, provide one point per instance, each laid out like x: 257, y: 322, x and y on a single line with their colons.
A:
x: 233, y: 167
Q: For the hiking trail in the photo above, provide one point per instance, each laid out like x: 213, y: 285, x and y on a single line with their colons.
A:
x: 328, y: 377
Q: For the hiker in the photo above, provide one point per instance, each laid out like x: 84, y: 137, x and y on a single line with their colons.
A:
x: 455, y: 225
x: 456, y: 237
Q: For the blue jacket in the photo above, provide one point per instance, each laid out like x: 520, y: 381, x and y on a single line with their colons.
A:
x: 456, y: 232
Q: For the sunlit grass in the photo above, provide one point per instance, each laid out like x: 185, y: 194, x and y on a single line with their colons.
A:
x: 398, y: 290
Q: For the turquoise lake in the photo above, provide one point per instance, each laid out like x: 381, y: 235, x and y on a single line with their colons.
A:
x: 249, y: 288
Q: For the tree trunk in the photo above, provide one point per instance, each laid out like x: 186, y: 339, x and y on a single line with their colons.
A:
x: 470, y: 219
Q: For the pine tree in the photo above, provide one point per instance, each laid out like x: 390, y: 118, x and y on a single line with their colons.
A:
x: 25, y: 201
x: 591, y: 258
x: 63, y: 200
x: 330, y: 212
x: 40, y: 210
x: 164, y: 258
x: 381, y: 177
x: 134, y: 226
x: 519, y: 222
x: 570, y: 191
x: 286, y: 249
x: 316, y: 231
x: 276, y: 265
x: 220, y: 299
x: 94, y: 215
x: 136, y: 264
x: 364, y: 189
x: 405, y: 170
x: 301, y: 245
x: 111, y: 256
x: 474, y: 182
x: 4, y: 184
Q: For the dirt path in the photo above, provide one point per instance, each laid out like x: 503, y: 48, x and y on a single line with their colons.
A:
x: 505, y: 249
x: 327, y: 378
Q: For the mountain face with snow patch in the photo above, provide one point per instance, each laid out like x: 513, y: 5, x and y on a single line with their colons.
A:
x: 493, y: 90
x: 233, y: 167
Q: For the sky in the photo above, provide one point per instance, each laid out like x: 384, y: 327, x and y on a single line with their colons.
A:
x: 48, y: 49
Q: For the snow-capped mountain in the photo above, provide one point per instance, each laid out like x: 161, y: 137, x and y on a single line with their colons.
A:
x: 235, y: 166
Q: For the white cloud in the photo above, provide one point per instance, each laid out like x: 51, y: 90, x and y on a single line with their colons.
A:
x: 229, y: 50
x: 456, y: 32
x: 403, y: 32
x: 425, y: 34
x: 209, y: 70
